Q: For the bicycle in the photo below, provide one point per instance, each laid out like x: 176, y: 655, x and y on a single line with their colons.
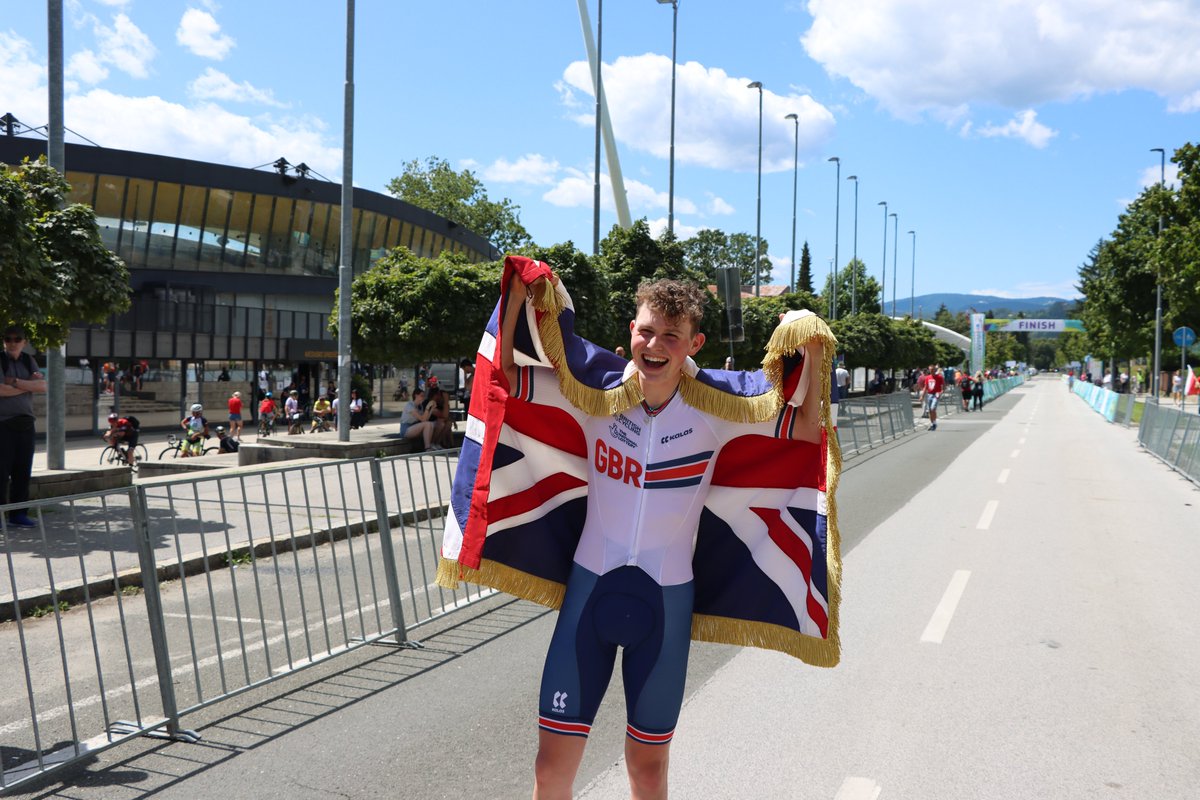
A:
x: 175, y: 447
x: 266, y: 425
x: 118, y: 454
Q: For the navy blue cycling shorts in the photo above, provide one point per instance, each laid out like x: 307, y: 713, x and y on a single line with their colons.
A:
x: 653, y: 625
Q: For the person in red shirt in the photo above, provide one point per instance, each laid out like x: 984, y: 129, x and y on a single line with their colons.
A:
x: 932, y: 384
x: 266, y: 410
x: 235, y: 416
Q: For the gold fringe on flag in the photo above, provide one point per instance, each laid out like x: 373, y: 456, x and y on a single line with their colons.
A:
x: 502, y: 578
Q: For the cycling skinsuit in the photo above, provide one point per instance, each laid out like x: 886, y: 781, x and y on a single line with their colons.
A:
x: 631, y: 582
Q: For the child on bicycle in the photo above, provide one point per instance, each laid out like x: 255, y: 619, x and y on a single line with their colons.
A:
x: 321, y: 412
x: 122, y: 434
x: 266, y: 413
x: 195, y: 431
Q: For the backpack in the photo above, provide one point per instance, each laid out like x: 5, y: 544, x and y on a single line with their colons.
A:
x: 134, y: 421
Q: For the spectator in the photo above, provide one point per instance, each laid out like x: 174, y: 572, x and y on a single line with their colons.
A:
x: 1176, y: 386
x: 877, y: 382
x: 195, y: 431
x: 966, y: 386
x: 21, y: 380
x: 225, y: 442
x: 224, y: 376
x: 235, y: 415
x: 619, y: 351
x: 931, y: 392
x: 264, y: 382
x: 138, y: 370
x: 358, y: 410
x: 468, y: 369
x: 843, y: 380
x: 109, y: 371
x: 415, y: 420
x: 977, y: 392
x: 728, y: 362
x: 439, y: 412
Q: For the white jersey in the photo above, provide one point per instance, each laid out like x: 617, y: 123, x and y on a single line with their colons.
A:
x: 648, y: 477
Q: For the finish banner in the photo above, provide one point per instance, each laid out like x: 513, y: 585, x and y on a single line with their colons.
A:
x: 1033, y: 325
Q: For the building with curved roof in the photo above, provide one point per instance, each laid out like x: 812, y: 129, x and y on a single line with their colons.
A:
x: 232, y: 270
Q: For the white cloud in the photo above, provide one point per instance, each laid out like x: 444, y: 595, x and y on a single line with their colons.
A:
x: 1152, y: 175
x: 717, y: 116
x: 659, y: 226
x: 216, y: 85
x: 717, y: 206
x: 1023, y: 126
x: 577, y: 189
x: 1064, y: 289
x: 85, y: 66
x: 946, y: 54
x: 124, y: 46
x: 531, y: 168
x: 24, y: 80
x: 200, y: 33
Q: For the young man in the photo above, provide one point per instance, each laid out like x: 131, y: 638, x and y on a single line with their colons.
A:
x: 195, y: 431
x: 932, y: 384
x: 20, y: 379
x: 639, y: 458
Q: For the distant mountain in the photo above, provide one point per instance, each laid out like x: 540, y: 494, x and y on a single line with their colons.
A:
x: 928, y: 304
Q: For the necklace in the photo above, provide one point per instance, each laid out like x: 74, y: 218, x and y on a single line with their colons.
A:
x: 653, y: 410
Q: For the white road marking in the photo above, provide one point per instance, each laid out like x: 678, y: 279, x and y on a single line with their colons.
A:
x: 1003, y: 475
x: 1021, y: 440
x: 985, y: 519
x: 935, y: 631
x: 858, y: 789
x: 234, y: 620
x: 1015, y: 453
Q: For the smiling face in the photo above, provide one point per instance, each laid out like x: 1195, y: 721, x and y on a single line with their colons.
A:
x: 660, y: 346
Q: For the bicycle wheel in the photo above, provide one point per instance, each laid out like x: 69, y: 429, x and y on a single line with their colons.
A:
x: 140, y: 454
x: 109, y: 455
x: 208, y: 450
x: 171, y: 448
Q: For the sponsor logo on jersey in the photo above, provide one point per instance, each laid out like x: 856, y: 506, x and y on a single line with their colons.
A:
x: 616, y: 432
x: 672, y: 437
x: 629, y: 425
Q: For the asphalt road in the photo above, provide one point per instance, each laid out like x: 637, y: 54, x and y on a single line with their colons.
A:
x: 1016, y: 623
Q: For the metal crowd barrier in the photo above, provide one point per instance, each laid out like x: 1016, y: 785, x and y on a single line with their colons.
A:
x: 196, y: 589
x: 866, y: 422
x: 1172, y: 435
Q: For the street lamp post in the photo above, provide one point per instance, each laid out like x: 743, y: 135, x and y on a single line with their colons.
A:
x: 599, y: 90
x: 671, y: 190
x: 895, y: 247
x: 912, y: 301
x: 758, y: 215
x: 854, y: 261
x: 795, y: 118
x: 883, y: 268
x: 837, y: 210
x: 1162, y: 184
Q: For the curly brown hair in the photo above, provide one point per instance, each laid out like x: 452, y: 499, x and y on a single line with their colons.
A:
x: 675, y: 300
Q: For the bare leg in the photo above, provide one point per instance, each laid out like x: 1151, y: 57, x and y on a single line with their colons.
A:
x: 647, y: 765
x: 557, y: 762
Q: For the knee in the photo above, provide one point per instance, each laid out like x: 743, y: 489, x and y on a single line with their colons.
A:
x: 552, y: 777
x: 648, y: 771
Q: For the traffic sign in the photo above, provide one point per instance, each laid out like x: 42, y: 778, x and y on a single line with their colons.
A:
x: 1184, y: 337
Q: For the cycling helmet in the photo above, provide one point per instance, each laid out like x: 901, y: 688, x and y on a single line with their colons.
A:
x: 220, y: 429
x: 268, y: 394
x: 197, y: 408
x: 113, y: 416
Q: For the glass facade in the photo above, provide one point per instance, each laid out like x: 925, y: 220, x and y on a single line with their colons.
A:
x: 155, y: 224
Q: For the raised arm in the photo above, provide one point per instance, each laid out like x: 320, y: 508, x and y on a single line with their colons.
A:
x: 808, y: 425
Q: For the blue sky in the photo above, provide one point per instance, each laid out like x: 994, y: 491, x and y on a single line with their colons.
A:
x: 1009, y: 137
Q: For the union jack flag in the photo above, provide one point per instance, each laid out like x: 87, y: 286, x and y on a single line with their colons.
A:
x: 766, y: 563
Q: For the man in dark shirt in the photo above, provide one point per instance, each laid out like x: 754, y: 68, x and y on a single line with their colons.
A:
x: 21, y: 379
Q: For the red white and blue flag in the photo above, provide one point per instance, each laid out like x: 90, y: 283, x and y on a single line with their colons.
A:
x: 767, y: 564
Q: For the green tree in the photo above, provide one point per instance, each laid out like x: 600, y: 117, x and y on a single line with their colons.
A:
x: 57, y: 270
x: 804, y: 280
x: 630, y: 255
x: 853, y: 278
x: 590, y: 290
x: 959, y: 323
x: 407, y: 309
x: 461, y: 198
x: 711, y: 248
x: 864, y: 339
